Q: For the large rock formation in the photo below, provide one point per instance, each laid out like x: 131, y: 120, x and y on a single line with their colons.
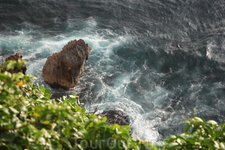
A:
x: 63, y: 69
x: 16, y: 57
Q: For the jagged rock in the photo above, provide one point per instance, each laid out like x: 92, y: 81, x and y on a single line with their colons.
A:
x: 63, y: 69
x: 115, y: 117
x: 17, y: 57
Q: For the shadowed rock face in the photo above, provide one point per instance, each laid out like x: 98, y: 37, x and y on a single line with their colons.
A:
x: 115, y: 117
x: 63, y: 69
x: 16, y: 57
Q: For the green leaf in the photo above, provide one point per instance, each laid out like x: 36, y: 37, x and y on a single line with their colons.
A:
x: 115, y: 126
x: 104, y: 124
x: 222, y: 145
x: 125, y: 136
x: 66, y: 142
x: 207, y: 144
x: 212, y: 122
x: 4, y: 76
x: 173, y: 146
x: 185, y: 121
x: 42, y: 140
x: 195, y: 128
x: 124, y: 144
x: 187, y: 127
x: 55, y: 145
x: 208, y: 130
x: 45, y: 133
x: 216, y: 145
x: 10, y: 64
x: 13, y: 110
x: 197, y: 119
x: 5, y: 110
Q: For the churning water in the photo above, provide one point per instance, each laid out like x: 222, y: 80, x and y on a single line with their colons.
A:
x: 156, y: 60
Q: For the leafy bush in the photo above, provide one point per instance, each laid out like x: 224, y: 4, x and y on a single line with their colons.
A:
x: 30, y: 119
x: 198, y: 135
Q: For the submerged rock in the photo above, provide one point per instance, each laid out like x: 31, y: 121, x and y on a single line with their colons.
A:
x: 115, y: 117
x: 63, y: 69
x: 16, y: 57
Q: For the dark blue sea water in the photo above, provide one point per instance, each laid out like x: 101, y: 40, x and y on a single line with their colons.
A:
x: 156, y: 60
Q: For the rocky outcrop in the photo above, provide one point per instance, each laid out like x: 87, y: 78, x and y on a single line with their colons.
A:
x: 115, y: 117
x: 16, y: 57
x: 63, y: 69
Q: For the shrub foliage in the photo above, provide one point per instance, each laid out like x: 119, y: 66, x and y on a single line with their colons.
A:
x: 30, y: 119
x: 198, y: 135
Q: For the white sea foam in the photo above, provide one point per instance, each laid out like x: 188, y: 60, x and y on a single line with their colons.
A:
x: 216, y: 50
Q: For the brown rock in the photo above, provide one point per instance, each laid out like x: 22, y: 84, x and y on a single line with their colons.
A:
x: 17, y: 57
x: 64, y: 69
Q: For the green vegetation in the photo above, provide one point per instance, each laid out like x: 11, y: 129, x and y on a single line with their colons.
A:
x: 198, y: 135
x: 30, y: 119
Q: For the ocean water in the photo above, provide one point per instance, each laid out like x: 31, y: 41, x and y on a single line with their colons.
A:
x: 156, y: 60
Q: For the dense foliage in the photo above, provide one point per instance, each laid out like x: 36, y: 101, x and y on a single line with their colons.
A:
x: 198, y: 135
x: 30, y: 119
